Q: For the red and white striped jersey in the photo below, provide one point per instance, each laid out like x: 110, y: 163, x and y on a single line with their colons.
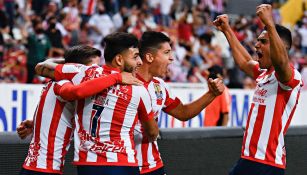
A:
x: 105, y: 122
x: 88, y: 7
x: 53, y: 126
x: 270, y: 114
x: 161, y: 99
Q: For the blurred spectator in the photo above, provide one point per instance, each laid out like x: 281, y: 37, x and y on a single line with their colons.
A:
x: 71, y: 21
x: 118, y: 17
x: 188, y: 22
x: 38, y: 47
x: 55, y: 37
x: 165, y: 8
x: 303, y: 32
x: 216, y: 113
x: 88, y: 9
x: 100, y: 24
x: 276, y: 13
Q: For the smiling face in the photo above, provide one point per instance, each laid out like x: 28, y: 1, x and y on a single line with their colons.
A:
x: 263, y: 50
x: 132, y: 60
x: 162, y: 58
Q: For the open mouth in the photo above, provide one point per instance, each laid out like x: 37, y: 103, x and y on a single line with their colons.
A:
x: 260, y: 55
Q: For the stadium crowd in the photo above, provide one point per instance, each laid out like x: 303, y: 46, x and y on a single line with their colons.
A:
x: 33, y: 30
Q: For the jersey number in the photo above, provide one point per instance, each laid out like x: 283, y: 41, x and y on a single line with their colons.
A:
x: 97, y: 111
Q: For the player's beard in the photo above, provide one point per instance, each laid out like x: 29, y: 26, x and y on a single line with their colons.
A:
x: 128, y: 68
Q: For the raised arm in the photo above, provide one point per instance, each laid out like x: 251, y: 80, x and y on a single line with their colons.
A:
x: 278, y: 47
x: 242, y: 58
x: 184, y: 112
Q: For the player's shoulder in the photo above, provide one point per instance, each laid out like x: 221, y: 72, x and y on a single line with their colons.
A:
x: 158, y: 80
x: 76, y: 67
x: 140, y: 90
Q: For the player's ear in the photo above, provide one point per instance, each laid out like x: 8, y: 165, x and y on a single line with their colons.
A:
x: 119, y: 60
x: 149, y: 57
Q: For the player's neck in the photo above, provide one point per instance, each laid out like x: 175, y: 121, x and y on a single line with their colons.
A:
x: 113, y: 65
x: 144, y: 72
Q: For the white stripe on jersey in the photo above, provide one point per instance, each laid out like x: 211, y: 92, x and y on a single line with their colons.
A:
x: 125, y: 130
x: 159, y: 92
x: 250, y: 131
x: 274, y: 103
x: 266, y: 129
x: 52, y: 119
x: 109, y: 128
x: 45, y: 128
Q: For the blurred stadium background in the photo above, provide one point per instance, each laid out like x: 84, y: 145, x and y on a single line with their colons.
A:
x: 34, y: 30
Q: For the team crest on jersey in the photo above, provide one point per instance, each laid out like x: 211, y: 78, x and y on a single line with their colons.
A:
x: 158, y: 93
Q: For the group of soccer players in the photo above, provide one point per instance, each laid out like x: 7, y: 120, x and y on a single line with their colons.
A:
x: 114, y: 124
x: 112, y: 110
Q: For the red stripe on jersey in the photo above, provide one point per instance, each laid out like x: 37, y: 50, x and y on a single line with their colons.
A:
x: 171, y: 104
x: 90, y: 7
x: 257, y: 130
x: 144, y: 147
x: 291, y: 114
x: 80, y: 106
x: 247, y: 126
x: 102, y: 157
x: 60, y: 75
x: 256, y: 71
x: 67, y: 137
x: 117, y: 122
x: 155, y: 153
x: 38, y: 118
x: 58, y: 109
x: 276, y: 127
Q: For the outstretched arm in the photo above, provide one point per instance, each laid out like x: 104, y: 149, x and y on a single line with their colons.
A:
x: 70, y: 92
x: 46, y: 68
x: 278, y: 50
x: 242, y: 58
x: 185, y: 112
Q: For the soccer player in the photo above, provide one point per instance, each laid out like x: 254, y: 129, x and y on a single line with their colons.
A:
x: 275, y: 97
x: 52, y: 126
x: 105, y: 122
x: 155, y: 51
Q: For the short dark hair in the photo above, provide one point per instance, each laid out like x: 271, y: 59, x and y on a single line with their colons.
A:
x: 284, y: 34
x: 118, y: 42
x: 151, y: 41
x: 81, y: 54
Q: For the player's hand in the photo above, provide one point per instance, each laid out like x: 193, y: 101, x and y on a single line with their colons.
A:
x: 25, y: 128
x: 222, y: 22
x: 128, y: 78
x: 216, y: 86
x: 264, y: 12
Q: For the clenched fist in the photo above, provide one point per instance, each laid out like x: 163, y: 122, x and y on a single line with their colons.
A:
x: 222, y: 23
x: 216, y: 86
x: 25, y: 128
x: 264, y: 12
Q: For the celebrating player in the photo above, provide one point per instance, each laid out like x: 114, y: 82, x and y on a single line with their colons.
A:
x: 155, y: 51
x: 275, y: 97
